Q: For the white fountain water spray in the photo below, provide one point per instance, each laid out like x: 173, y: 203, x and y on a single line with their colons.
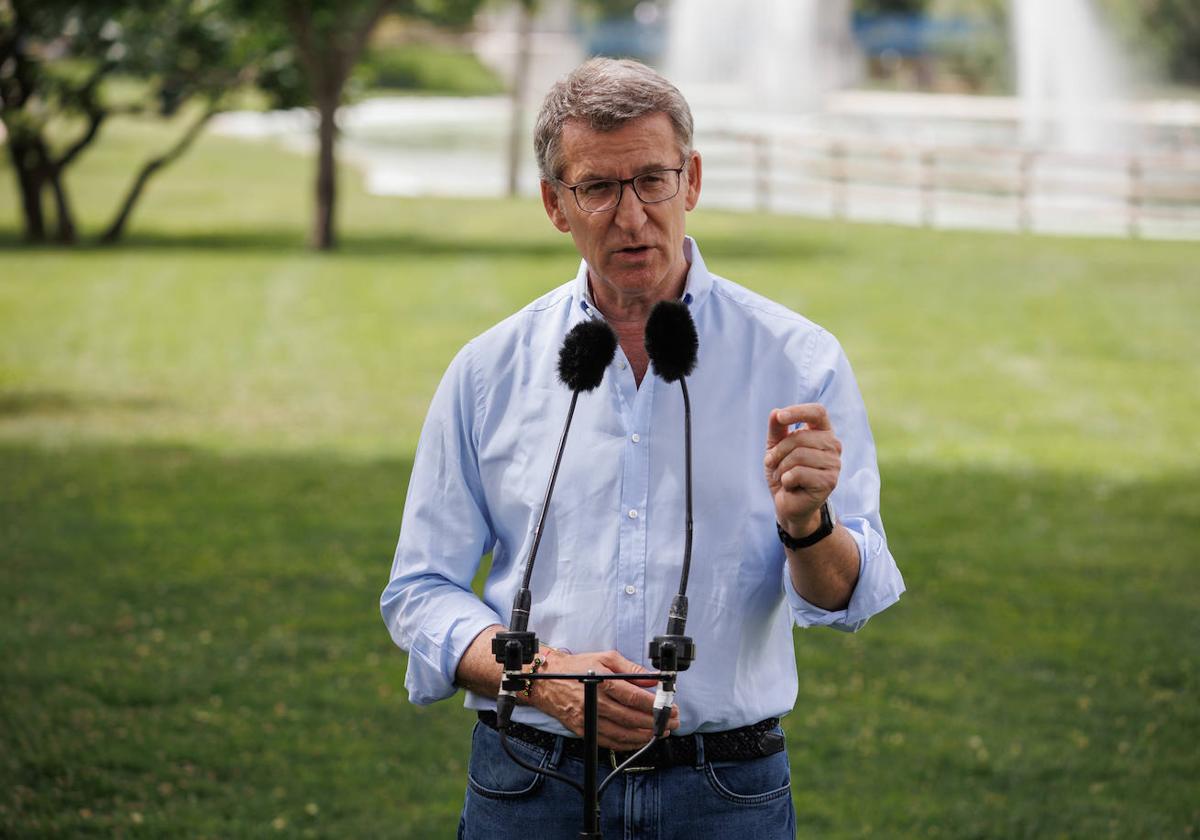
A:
x: 765, y: 55
x: 1070, y: 78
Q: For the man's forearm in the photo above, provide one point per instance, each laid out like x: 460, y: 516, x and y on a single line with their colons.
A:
x: 478, y: 670
x: 825, y: 574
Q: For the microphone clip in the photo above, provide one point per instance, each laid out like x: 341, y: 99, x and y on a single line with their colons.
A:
x: 513, y: 649
x: 672, y: 653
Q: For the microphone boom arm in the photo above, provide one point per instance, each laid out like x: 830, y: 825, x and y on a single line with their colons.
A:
x: 674, y: 651
x: 516, y: 646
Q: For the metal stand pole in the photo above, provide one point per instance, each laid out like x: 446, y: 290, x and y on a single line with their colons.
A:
x: 591, y: 725
x: 591, y: 722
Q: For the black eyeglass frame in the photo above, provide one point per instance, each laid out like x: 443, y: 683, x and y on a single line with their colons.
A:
x: 621, y: 182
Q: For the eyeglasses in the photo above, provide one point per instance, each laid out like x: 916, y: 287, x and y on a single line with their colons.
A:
x: 649, y: 187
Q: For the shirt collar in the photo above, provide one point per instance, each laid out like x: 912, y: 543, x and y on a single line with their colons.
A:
x: 695, y: 290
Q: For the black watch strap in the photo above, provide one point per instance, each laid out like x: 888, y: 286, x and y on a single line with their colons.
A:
x: 823, y: 531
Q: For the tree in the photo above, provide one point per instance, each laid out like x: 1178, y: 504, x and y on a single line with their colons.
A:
x: 327, y: 39
x: 55, y: 56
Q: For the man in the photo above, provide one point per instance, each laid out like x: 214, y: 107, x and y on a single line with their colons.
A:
x: 786, y: 497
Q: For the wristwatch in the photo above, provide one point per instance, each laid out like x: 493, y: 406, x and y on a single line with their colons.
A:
x: 823, y: 531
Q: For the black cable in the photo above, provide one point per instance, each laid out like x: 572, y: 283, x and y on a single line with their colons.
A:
x: 621, y: 767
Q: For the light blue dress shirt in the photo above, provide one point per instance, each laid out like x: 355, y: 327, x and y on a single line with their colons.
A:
x: 613, y: 542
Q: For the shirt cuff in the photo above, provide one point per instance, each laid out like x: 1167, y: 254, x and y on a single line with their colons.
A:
x: 879, y: 586
x: 432, y: 663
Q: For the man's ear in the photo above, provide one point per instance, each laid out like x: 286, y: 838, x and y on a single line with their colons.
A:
x: 693, y: 180
x: 551, y: 200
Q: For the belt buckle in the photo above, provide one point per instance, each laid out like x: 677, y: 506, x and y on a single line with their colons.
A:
x: 612, y: 758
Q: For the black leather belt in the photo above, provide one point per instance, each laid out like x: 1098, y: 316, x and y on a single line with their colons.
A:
x: 757, y: 740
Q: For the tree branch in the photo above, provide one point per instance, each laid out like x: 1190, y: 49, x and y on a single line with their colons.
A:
x: 151, y: 166
x: 358, y: 41
x: 95, y: 118
x: 96, y: 115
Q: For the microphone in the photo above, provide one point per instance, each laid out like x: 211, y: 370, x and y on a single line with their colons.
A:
x: 586, y: 352
x: 672, y: 345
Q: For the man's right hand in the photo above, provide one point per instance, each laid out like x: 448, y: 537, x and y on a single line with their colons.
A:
x: 625, y: 710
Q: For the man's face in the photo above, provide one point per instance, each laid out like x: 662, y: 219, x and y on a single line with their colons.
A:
x: 634, y: 250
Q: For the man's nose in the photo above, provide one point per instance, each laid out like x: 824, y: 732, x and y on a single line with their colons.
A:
x: 630, y: 212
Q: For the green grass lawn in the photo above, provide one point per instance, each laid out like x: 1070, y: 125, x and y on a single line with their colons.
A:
x: 205, y: 439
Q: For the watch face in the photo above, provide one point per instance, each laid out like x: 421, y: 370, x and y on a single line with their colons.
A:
x: 824, y: 529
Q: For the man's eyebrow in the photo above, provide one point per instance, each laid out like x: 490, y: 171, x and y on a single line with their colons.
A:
x: 589, y: 175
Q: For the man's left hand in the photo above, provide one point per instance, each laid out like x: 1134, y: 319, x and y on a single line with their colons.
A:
x: 801, y: 466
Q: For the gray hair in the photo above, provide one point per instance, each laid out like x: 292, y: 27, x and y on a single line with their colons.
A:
x: 605, y: 94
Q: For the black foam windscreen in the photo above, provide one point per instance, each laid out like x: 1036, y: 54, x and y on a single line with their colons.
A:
x: 671, y: 340
x: 586, y: 351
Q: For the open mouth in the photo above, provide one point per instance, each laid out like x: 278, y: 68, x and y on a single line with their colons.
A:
x: 635, y: 251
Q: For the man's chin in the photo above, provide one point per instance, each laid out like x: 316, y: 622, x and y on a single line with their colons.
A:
x: 633, y: 275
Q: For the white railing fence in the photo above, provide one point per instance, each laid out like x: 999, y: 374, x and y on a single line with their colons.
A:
x: 1144, y: 195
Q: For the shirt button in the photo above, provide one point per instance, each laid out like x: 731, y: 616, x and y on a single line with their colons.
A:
x: 635, y: 437
x: 630, y: 589
x: 621, y: 364
x: 633, y: 514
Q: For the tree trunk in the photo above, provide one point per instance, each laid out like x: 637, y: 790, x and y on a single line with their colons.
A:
x: 519, y: 84
x: 323, y: 238
x: 27, y: 166
x: 328, y: 52
x: 65, y: 232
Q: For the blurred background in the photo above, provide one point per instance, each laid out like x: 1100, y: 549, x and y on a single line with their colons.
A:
x: 240, y: 240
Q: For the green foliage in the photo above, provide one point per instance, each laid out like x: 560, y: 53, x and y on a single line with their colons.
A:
x: 205, y: 439
x: 181, y: 47
x: 54, y: 59
x: 452, y: 14
x: 1166, y: 31
x: 330, y: 29
x: 429, y: 68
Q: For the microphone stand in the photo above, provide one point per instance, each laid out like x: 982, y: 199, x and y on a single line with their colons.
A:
x: 516, y: 646
x: 669, y: 653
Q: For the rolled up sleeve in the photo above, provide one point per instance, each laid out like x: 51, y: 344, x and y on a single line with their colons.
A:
x: 428, y: 605
x: 855, y: 500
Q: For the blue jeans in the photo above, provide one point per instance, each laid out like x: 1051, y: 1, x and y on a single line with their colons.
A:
x: 749, y: 800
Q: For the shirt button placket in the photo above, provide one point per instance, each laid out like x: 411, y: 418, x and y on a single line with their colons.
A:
x: 630, y: 583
